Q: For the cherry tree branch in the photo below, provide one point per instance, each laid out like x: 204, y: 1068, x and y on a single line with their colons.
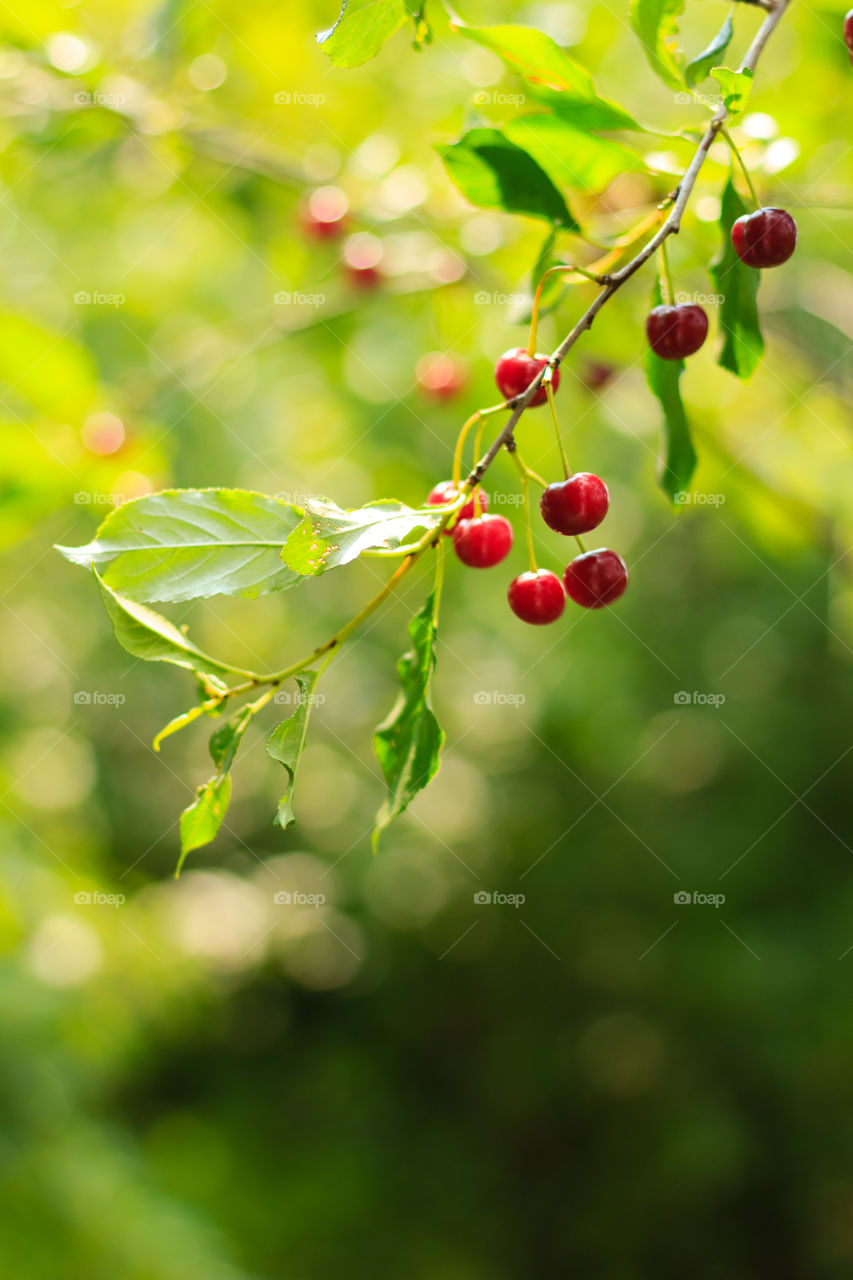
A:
x: 614, y: 281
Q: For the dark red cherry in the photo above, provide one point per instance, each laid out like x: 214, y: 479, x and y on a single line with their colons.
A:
x: 766, y: 238
x: 537, y: 597
x: 515, y: 371
x: 447, y: 492
x: 596, y: 578
x: 848, y: 33
x: 483, y: 542
x: 677, y: 331
x: 576, y: 505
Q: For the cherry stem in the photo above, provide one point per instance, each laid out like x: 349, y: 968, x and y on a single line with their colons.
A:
x: 478, y: 502
x: 537, y: 297
x: 666, y: 288
x: 742, y: 163
x: 463, y: 436
x: 549, y: 392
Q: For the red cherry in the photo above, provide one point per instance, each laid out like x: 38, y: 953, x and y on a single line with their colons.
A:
x: 597, y: 374
x: 676, y: 332
x: 440, y: 376
x: 596, y: 578
x: 362, y: 257
x: 484, y: 542
x: 576, y: 505
x: 848, y: 33
x: 766, y: 238
x: 537, y: 597
x: 324, y: 215
x: 447, y: 492
x: 515, y: 371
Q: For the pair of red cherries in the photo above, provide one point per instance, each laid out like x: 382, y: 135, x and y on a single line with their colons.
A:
x: 766, y: 238
x: 572, y: 506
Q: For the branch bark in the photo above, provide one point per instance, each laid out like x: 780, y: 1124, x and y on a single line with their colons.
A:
x: 671, y: 226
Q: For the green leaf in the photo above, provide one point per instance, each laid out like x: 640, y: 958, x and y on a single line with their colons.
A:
x: 571, y: 157
x: 200, y: 821
x: 663, y: 377
x: 408, y: 743
x: 743, y: 345
x: 329, y: 536
x: 181, y: 721
x: 699, y: 69
x: 551, y: 74
x: 225, y: 740
x: 494, y: 173
x: 287, y: 741
x: 656, y: 24
x: 188, y: 543
x: 736, y: 87
x: 361, y: 30
x: 145, y: 634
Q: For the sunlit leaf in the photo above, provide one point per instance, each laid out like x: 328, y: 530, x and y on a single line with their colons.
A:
x: 736, y: 87
x: 742, y: 346
x: 571, y: 157
x: 362, y: 28
x: 494, y: 173
x: 700, y: 68
x: 200, y: 821
x: 408, y: 743
x: 182, y: 544
x: 145, y: 634
x: 330, y: 536
x: 656, y: 24
x: 287, y: 740
x: 187, y: 717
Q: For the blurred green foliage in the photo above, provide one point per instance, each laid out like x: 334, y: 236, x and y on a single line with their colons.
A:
x: 199, y: 1081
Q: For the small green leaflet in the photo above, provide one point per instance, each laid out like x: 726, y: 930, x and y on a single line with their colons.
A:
x: 736, y: 87
x: 200, y: 821
x: 663, y: 377
x: 225, y: 740
x: 329, y: 536
x: 185, y: 544
x: 656, y: 24
x: 287, y: 741
x: 181, y: 721
x: 551, y: 74
x: 145, y: 634
x: 494, y: 173
x: 361, y: 30
x: 700, y: 68
x: 408, y: 743
x: 743, y: 345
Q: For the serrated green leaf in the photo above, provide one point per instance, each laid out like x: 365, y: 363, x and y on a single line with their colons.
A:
x: 736, y: 87
x: 287, y: 740
x: 700, y: 68
x: 663, y: 377
x: 655, y: 22
x: 571, y: 157
x: 181, y: 721
x: 183, y: 544
x: 408, y: 743
x: 330, y: 536
x: 551, y: 75
x: 145, y: 634
x: 362, y: 28
x: 200, y: 821
x: 742, y: 346
x: 493, y: 173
